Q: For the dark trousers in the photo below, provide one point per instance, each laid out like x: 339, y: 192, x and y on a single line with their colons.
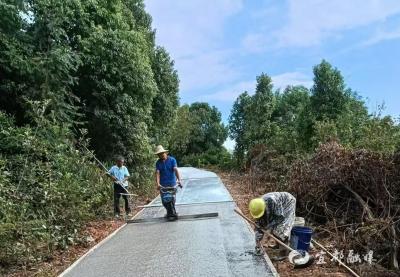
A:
x: 118, y: 189
x: 169, y: 206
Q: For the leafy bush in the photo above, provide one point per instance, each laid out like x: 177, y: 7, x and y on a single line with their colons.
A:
x: 48, y: 190
x: 219, y: 157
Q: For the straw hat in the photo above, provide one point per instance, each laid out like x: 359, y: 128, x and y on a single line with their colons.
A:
x: 160, y: 149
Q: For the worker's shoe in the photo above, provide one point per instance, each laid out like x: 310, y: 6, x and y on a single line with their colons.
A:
x: 172, y: 217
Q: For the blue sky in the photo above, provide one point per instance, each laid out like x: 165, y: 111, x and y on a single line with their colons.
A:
x: 220, y: 46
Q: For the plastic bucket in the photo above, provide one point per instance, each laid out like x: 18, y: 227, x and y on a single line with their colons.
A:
x: 300, y: 238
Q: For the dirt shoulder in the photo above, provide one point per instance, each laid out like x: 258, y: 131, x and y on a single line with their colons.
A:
x: 240, y: 193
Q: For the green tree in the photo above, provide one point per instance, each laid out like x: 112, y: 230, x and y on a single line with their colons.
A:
x: 14, y: 46
x: 98, y: 64
x: 181, y: 132
x: 37, y: 61
x: 381, y: 134
x: 328, y: 97
x: 208, y: 130
x: 238, y: 120
x: 116, y: 83
x: 166, y: 101
x: 290, y: 105
x: 260, y: 111
x: 351, y: 122
x: 93, y: 63
x: 198, y: 130
x: 330, y: 103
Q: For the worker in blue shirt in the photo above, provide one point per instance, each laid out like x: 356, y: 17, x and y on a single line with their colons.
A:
x: 119, y: 173
x: 167, y: 176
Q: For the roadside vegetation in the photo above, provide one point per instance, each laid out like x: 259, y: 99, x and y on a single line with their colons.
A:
x: 74, y: 74
x: 323, y: 145
x: 78, y: 75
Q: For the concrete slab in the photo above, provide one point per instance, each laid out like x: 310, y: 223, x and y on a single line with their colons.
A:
x: 221, y: 246
x: 199, y: 186
x: 181, y: 217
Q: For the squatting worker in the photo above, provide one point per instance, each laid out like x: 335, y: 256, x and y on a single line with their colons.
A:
x: 275, y: 212
x: 167, y: 176
x: 119, y: 173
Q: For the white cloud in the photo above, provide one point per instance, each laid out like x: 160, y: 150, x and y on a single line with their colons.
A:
x: 280, y: 81
x: 190, y: 27
x: 255, y: 43
x: 382, y: 36
x: 291, y: 79
x: 192, y: 32
x: 229, y: 94
x: 206, y: 70
x: 310, y: 22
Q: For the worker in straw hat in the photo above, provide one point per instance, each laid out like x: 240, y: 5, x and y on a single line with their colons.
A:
x: 167, y: 176
x: 275, y: 212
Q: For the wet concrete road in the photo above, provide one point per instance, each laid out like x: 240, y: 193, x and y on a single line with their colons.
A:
x: 221, y: 246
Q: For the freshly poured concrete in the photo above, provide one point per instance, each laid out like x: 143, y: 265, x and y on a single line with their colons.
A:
x: 221, y: 246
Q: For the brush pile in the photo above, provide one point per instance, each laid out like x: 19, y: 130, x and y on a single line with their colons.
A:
x: 354, y: 195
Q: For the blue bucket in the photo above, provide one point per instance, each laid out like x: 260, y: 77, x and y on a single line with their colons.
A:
x: 300, y: 238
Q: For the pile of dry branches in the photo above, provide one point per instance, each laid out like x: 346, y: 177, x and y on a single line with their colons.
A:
x: 355, y: 195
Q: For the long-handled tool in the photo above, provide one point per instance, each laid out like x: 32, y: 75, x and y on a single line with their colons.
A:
x: 298, y: 263
x: 106, y: 170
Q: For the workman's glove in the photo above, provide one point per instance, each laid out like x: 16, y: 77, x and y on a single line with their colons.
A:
x: 259, y: 234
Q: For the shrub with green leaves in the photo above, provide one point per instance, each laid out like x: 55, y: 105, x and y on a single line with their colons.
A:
x: 48, y: 190
x: 219, y: 157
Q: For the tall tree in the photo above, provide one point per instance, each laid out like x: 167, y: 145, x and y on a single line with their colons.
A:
x: 198, y: 129
x: 37, y: 61
x: 238, y: 126
x: 351, y: 122
x: 328, y: 97
x: 181, y: 132
x: 95, y: 57
x: 260, y: 111
x: 208, y: 130
x: 290, y: 106
x: 166, y: 101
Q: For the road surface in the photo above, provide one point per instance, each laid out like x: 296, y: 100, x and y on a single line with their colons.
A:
x: 219, y: 246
